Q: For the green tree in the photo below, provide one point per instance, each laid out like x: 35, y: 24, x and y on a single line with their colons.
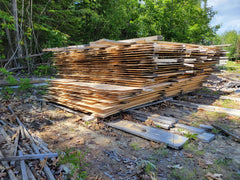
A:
x: 230, y: 37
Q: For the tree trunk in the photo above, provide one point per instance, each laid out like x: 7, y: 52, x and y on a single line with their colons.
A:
x: 17, y: 39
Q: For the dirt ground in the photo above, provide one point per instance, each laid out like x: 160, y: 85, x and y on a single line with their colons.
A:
x: 113, y: 154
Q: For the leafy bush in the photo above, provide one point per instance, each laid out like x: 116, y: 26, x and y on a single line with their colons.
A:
x: 25, y: 84
x: 5, y: 72
x: 43, y: 70
x: 76, y: 159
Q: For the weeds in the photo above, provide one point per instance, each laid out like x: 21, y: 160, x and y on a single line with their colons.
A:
x: 226, y: 103
x: 183, y: 174
x: 44, y: 70
x: 147, y: 166
x: 190, y: 136
x: 76, y: 160
x: 135, y: 146
x: 25, y: 84
x: 8, y: 91
x: 162, y: 152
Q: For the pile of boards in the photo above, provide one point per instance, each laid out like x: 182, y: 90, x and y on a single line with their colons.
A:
x: 108, y: 76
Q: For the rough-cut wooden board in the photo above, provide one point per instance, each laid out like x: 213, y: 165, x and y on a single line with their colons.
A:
x: 153, y: 134
x: 233, y: 112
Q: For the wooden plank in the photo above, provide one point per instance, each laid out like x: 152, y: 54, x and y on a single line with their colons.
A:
x: 23, y: 167
x: 233, y: 112
x: 153, y: 134
x: 191, y: 129
x: 12, y: 163
x: 146, y: 39
x: 30, y: 156
x: 109, y: 42
x: 6, y: 165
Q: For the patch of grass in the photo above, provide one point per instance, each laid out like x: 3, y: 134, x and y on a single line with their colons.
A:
x: 215, y: 131
x: 76, y: 160
x: 195, y: 124
x: 207, y: 91
x: 162, y: 152
x: 215, y: 115
x: 193, y: 148
x: 183, y: 174
x: 227, y: 103
x: 232, y: 66
x: 189, y: 147
x: 135, y: 146
x: 148, y: 166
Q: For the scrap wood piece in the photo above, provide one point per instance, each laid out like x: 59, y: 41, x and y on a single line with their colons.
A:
x: 6, y: 165
x: 233, y: 112
x: 29, y: 156
x: 34, y: 146
x: 29, y: 173
x: 146, y: 39
x: 154, y: 117
x: 108, y: 42
x: 23, y: 167
x: 235, y: 137
x: 12, y: 163
x: 153, y: 134
x: 190, y: 129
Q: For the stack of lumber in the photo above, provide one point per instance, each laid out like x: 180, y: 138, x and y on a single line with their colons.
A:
x: 108, y: 76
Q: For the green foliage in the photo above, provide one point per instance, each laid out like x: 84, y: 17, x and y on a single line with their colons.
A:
x: 5, y: 72
x: 162, y: 152
x: 76, y: 160
x: 11, y: 80
x: 183, y: 174
x: 147, y: 166
x: 6, y: 92
x: 230, y: 37
x: 25, y: 84
x: 135, y: 146
x: 42, y: 70
x: 190, y: 135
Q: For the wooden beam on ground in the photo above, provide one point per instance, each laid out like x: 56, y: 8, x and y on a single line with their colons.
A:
x: 153, y: 134
x: 23, y: 167
x: 12, y: 163
x: 29, y: 156
x: 34, y: 146
x: 232, y: 112
x: 235, y: 137
x: 6, y: 165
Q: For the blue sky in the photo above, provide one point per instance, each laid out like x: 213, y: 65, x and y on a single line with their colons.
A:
x: 228, y: 14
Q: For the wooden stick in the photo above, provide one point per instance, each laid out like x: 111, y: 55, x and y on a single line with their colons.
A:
x: 235, y: 137
x: 10, y: 172
x: 34, y: 146
x: 30, y: 156
x: 12, y: 163
x: 29, y: 173
x: 23, y: 167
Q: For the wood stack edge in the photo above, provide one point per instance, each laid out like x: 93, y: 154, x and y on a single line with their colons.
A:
x: 108, y: 76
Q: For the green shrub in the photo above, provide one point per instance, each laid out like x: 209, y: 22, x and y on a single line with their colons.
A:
x: 24, y: 84
x: 76, y: 160
x: 43, y: 70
